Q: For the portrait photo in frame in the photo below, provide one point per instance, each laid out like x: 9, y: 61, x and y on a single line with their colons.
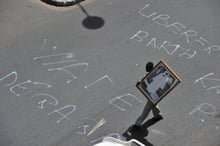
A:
x: 158, y: 83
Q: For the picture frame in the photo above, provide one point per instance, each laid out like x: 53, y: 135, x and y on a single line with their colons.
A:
x: 156, y: 84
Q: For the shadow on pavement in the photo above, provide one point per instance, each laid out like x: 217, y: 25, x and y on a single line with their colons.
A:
x: 91, y: 22
x: 140, y: 133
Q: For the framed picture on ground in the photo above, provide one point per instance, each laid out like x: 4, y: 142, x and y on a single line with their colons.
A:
x: 158, y: 83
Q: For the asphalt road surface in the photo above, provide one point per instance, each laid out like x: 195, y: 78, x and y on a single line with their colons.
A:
x: 68, y: 75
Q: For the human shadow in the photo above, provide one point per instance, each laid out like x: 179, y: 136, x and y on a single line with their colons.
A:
x: 91, y: 22
x: 141, y: 132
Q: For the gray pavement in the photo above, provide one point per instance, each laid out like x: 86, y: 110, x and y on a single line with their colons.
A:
x: 65, y: 71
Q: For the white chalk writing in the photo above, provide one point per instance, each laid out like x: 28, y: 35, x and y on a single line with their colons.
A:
x: 47, y: 97
x: 207, y: 79
x: 205, y: 108
x: 102, y: 78
x: 114, y: 101
x: 167, y: 46
x: 65, y: 61
x: 190, y: 36
x: 43, y: 84
x: 61, y: 110
x: 41, y: 103
x: 84, y: 129
x: 14, y: 73
x: 43, y: 45
x: 63, y: 68
x: 67, y: 55
x: 21, y: 86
